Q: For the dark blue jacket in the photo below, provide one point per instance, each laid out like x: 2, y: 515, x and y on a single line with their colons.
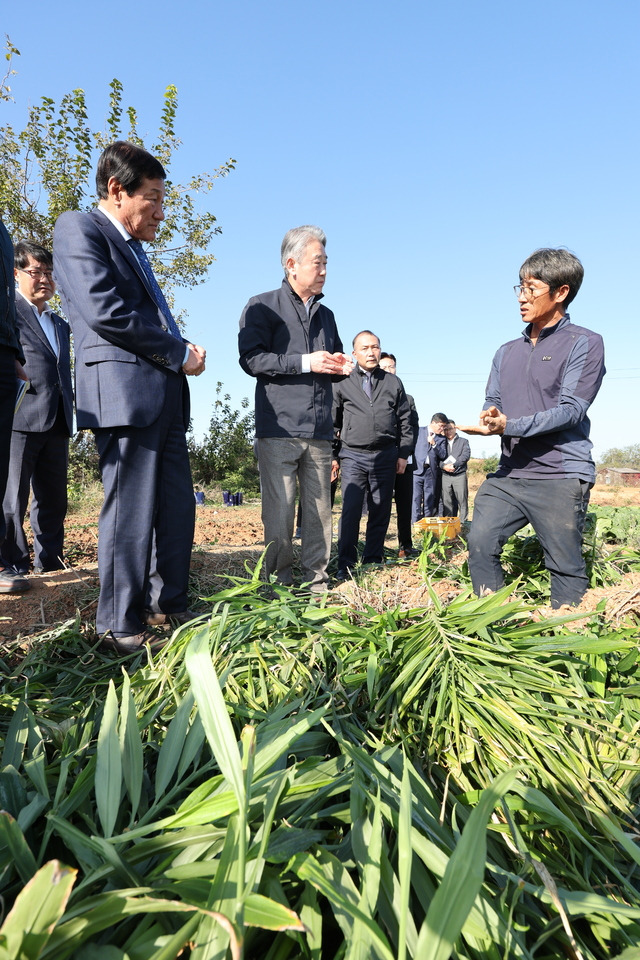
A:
x: 124, y: 351
x: 545, y: 391
x: 49, y: 375
x: 8, y: 335
x: 428, y: 457
x: 274, y: 334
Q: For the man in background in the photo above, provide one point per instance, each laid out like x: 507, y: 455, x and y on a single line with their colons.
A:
x: 431, y: 450
x: 289, y: 342
x: 43, y: 422
x: 540, y: 388
x: 131, y: 390
x: 455, y: 488
x: 374, y: 438
x: 403, y: 487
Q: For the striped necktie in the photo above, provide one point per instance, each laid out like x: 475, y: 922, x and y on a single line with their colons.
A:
x: 366, y: 384
x: 155, y: 287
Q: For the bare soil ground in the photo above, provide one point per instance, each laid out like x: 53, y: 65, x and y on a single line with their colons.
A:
x: 228, y: 542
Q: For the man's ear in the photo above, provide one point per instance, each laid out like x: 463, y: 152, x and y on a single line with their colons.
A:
x: 114, y: 189
x: 562, y: 293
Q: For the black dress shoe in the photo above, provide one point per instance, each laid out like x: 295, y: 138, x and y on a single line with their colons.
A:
x: 153, y: 619
x: 11, y: 582
x: 134, y: 643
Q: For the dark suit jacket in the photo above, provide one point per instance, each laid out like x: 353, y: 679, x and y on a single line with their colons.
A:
x: 49, y: 375
x: 461, y: 451
x: 124, y: 350
x: 425, y: 452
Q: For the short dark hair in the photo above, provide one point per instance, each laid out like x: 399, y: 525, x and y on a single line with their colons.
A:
x: 387, y: 356
x: 450, y: 423
x: 439, y: 418
x: 554, y: 267
x: 129, y: 165
x: 362, y: 332
x: 24, y: 249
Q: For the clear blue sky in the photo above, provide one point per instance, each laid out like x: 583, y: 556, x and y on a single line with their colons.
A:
x: 437, y: 146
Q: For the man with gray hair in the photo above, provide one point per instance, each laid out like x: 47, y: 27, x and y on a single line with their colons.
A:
x: 540, y: 388
x: 289, y: 341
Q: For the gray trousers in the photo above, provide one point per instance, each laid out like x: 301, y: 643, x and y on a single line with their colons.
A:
x: 282, y: 461
x: 455, y: 494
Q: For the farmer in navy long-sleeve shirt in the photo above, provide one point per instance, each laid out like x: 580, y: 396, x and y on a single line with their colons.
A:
x: 538, y: 394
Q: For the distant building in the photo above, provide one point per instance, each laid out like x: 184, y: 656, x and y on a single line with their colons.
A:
x: 619, y: 476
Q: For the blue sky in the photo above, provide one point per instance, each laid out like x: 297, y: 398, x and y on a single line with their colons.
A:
x: 437, y: 146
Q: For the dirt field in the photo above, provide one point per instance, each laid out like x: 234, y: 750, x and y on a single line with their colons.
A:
x: 226, y: 540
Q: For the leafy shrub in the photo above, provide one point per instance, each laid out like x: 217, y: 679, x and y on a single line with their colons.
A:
x: 225, y: 454
x: 618, y: 524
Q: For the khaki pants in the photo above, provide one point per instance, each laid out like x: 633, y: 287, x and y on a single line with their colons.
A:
x: 282, y: 461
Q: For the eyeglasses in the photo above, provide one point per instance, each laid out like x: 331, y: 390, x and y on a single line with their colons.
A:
x: 38, y: 274
x: 529, y: 292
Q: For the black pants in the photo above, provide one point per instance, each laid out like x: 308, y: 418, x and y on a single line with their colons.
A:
x: 556, y: 509
x: 369, y: 473
x: 403, y: 496
x: 7, y: 406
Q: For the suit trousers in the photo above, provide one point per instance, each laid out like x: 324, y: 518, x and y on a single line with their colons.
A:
x: 455, y: 494
x: 427, y: 487
x: 370, y: 474
x: 7, y: 405
x: 557, y: 511
x: 39, y: 460
x: 282, y: 460
x: 145, y: 531
x: 403, y: 496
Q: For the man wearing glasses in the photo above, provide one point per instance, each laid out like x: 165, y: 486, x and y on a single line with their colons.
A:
x: 538, y: 394
x: 43, y: 422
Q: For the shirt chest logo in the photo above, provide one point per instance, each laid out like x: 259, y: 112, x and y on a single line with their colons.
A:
x: 546, y: 358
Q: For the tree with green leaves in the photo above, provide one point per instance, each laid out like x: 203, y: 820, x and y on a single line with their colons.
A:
x: 225, y: 454
x: 621, y: 457
x: 47, y: 168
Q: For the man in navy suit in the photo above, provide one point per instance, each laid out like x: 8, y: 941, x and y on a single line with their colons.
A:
x: 42, y: 424
x: 131, y: 391
x: 431, y: 449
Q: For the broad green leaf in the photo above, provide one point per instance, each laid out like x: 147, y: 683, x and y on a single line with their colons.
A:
x: 95, y: 951
x: 213, y: 711
x: 16, y: 737
x: 173, y: 743
x: 108, y: 780
x: 14, y: 848
x: 13, y: 793
x: 37, y: 909
x: 330, y: 877
x: 130, y: 745
x: 262, y: 912
x: 405, y: 853
x: 463, y: 878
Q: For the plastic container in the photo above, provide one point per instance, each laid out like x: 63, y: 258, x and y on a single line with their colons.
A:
x: 447, y: 527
